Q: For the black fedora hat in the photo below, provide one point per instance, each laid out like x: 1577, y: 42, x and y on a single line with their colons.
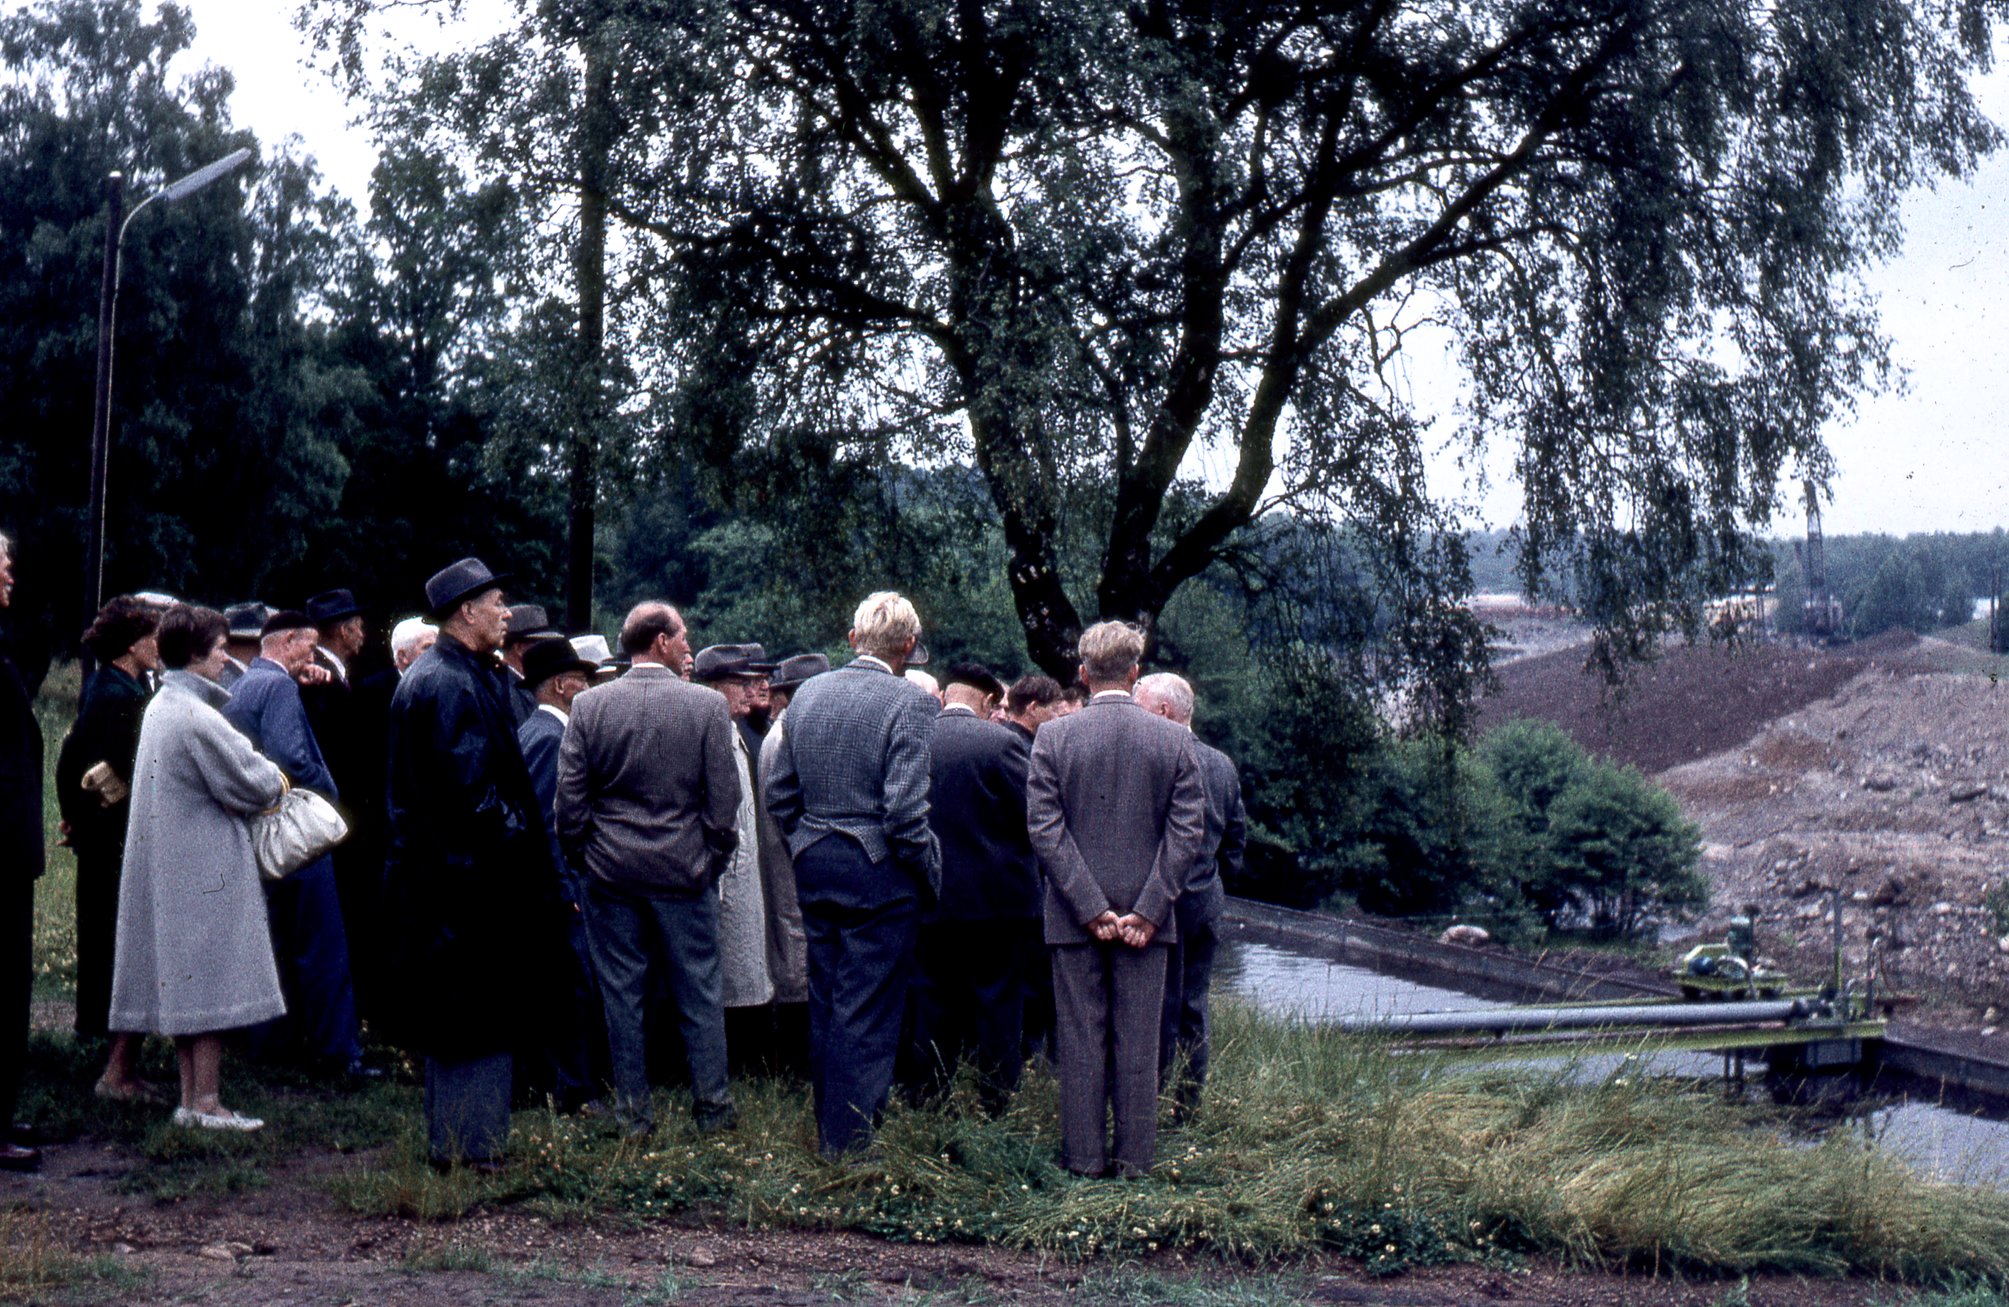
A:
x: 792, y: 672
x: 547, y: 658
x: 332, y: 606
x: 449, y: 586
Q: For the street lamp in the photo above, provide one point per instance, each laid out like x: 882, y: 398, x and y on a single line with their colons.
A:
x: 101, y: 411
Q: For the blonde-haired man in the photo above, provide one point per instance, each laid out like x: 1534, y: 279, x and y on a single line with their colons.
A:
x: 1117, y: 814
x: 849, y: 789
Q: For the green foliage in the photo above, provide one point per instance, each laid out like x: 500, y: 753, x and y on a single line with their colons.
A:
x: 1923, y: 583
x: 1441, y: 841
x: 1623, y: 853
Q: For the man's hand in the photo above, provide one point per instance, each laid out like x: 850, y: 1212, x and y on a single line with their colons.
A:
x: 1134, y: 930
x: 1103, y: 927
x: 314, y: 674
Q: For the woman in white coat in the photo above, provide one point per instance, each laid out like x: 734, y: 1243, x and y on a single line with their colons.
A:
x: 194, y: 952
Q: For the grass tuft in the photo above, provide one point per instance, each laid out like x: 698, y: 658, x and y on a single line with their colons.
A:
x: 31, y: 1264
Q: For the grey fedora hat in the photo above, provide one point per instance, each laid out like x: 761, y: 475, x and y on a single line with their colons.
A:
x: 715, y: 661
x: 792, y: 672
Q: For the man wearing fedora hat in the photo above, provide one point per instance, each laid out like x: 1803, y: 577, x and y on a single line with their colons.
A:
x: 352, y: 741
x: 787, y: 949
x: 735, y: 671
x: 245, y: 622
x: 309, y: 938
x: 469, y: 879
x: 572, y: 1061
x: 528, y: 624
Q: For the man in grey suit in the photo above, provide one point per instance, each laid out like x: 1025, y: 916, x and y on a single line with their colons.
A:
x: 647, y: 803
x: 1117, y: 813
x: 849, y: 788
x: 1190, y: 970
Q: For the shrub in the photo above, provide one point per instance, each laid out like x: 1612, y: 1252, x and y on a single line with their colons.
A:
x: 1622, y: 853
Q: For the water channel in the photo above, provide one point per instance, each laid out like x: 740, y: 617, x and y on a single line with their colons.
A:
x: 1953, y: 1143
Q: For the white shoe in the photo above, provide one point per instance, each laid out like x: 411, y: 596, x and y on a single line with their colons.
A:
x: 225, y: 1120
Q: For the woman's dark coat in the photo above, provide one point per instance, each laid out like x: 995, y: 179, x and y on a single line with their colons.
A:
x: 107, y: 730
x: 473, y: 895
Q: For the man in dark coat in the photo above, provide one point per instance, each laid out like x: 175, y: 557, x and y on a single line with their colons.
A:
x: 849, y: 789
x: 1033, y: 701
x: 1190, y: 970
x: 570, y: 1063
x: 349, y: 724
x: 309, y: 940
x: 1117, y: 811
x: 982, y: 937
x: 469, y: 877
x: 21, y: 841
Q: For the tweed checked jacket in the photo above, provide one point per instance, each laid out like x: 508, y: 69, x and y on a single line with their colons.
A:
x: 855, y: 762
x: 648, y: 793
x: 1117, y: 811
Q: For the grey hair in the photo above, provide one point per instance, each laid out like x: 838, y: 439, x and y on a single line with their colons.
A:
x: 6, y: 545
x: 406, y: 635
x: 1170, y: 689
x: 1109, y: 650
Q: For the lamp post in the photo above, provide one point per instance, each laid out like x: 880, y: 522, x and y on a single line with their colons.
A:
x: 101, y: 409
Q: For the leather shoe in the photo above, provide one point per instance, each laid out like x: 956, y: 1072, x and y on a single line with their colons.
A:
x: 19, y: 1157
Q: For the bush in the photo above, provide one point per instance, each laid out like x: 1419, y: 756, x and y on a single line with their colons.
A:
x: 1622, y: 853
x: 1442, y: 839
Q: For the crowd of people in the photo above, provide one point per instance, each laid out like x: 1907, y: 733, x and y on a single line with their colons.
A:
x: 576, y: 871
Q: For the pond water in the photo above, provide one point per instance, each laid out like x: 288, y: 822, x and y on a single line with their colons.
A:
x: 1956, y: 1145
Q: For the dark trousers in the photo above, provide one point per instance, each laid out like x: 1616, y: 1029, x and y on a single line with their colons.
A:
x: 359, y: 886
x: 570, y: 1061
x: 1109, y: 1000
x: 97, y: 937
x: 1189, y: 974
x: 631, y: 936
x: 968, y: 1001
x: 467, y: 1108
x: 860, y: 920
x: 312, y: 949
x: 17, y: 987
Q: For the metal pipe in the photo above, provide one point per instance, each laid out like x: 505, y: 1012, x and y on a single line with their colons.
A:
x: 1503, y: 1020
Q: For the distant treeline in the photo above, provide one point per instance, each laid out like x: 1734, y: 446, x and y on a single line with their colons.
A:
x: 1920, y: 583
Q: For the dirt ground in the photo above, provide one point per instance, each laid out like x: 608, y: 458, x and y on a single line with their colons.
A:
x: 1882, y: 771
x: 289, y: 1243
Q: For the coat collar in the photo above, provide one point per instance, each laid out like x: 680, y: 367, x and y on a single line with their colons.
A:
x: 188, y: 682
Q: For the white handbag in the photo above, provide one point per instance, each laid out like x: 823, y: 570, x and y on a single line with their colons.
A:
x: 293, y: 832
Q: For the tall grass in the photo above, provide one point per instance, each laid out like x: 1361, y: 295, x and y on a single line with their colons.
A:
x: 1307, y: 1140
x: 56, y: 892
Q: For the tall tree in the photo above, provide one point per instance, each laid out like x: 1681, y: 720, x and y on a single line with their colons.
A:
x: 220, y: 407
x: 553, y: 112
x: 1104, y: 238
x: 1089, y: 248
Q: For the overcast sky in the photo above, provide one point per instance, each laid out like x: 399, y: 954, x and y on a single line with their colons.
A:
x: 1931, y: 459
